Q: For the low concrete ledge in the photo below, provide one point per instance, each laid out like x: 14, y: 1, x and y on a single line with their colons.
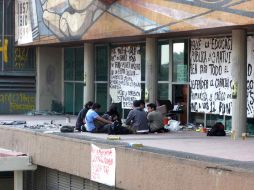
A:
x: 144, y: 168
x: 17, y: 163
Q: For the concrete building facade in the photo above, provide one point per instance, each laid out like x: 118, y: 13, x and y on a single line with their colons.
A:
x: 186, y: 51
x: 197, y: 54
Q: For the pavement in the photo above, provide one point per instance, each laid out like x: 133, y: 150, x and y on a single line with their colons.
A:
x: 184, y: 144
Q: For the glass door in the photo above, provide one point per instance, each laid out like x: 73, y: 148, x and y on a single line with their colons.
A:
x: 180, y: 79
x: 73, y: 79
x: 173, y: 75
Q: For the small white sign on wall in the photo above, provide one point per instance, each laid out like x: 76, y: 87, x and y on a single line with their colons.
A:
x: 103, y: 165
x: 23, y: 26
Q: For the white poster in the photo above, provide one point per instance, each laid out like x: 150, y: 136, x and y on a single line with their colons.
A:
x: 23, y: 27
x: 210, y: 75
x: 103, y: 165
x: 125, y: 75
x: 250, y: 76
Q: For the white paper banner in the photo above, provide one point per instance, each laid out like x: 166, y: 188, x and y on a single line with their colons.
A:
x: 210, y: 75
x: 125, y: 75
x: 250, y: 76
x: 103, y: 165
x: 23, y: 27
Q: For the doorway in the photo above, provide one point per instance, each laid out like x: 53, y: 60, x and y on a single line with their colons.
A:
x: 173, y: 75
x: 73, y: 79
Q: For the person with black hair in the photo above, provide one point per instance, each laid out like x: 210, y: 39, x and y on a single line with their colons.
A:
x: 92, y: 116
x: 155, y: 119
x: 142, y: 104
x: 136, y: 119
x: 81, y: 116
x: 112, y: 114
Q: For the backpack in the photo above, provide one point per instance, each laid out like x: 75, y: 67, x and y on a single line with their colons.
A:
x: 217, y: 130
x: 117, y: 128
x: 67, y: 129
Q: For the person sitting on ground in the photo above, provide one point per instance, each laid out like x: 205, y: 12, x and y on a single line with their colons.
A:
x: 92, y: 116
x: 81, y: 117
x: 155, y: 119
x: 136, y: 119
x: 142, y: 104
x: 112, y: 114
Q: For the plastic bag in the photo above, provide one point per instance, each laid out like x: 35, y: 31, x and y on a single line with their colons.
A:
x: 173, y: 125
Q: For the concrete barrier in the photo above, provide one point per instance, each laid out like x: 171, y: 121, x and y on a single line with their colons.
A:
x: 135, y: 168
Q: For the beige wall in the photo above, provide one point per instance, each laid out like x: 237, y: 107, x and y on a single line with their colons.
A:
x: 49, y: 83
x: 135, y: 169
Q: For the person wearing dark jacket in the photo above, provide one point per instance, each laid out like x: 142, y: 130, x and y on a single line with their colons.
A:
x: 137, y: 119
x: 81, y: 116
x: 112, y: 114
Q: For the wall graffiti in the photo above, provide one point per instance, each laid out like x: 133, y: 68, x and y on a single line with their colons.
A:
x: 16, y: 102
x: 65, y: 20
x: 5, y: 50
x: 20, y: 57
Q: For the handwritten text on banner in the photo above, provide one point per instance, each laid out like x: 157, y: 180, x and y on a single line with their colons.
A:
x: 210, y: 75
x: 250, y: 76
x: 103, y: 165
x: 23, y: 27
x: 125, y: 75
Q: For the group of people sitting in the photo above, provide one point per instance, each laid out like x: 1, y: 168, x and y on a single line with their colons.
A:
x: 137, y: 121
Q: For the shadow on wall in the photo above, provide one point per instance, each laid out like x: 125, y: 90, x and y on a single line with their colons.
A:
x: 57, y: 106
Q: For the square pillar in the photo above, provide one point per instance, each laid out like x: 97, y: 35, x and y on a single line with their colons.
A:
x: 88, y: 72
x: 239, y: 81
x: 151, y: 70
x: 18, y: 180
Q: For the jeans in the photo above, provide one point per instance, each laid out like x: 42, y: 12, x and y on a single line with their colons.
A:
x: 101, y: 129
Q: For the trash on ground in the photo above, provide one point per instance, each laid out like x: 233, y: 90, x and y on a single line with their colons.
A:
x: 135, y: 145
x: 113, y: 138
x: 173, y: 125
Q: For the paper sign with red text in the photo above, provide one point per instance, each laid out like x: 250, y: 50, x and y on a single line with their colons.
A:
x: 103, y: 165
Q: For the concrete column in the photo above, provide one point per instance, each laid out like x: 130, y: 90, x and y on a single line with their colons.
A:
x: 239, y: 77
x: 170, y: 71
x: 49, y: 77
x: 151, y: 69
x: 18, y: 180
x: 38, y: 89
x: 88, y: 72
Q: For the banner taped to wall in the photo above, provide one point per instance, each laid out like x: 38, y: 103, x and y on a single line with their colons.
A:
x: 125, y: 75
x: 210, y: 75
x: 212, y: 88
x: 23, y: 26
x: 103, y: 165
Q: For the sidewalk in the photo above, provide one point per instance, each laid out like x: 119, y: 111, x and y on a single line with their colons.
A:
x: 188, y: 142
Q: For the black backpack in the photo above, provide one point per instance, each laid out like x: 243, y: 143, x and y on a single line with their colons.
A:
x: 217, y: 130
x: 116, y: 129
x: 67, y: 129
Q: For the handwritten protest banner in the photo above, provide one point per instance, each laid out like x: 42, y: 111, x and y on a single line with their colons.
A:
x: 103, y: 165
x: 210, y: 75
x: 23, y: 27
x: 125, y: 75
x: 250, y: 76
